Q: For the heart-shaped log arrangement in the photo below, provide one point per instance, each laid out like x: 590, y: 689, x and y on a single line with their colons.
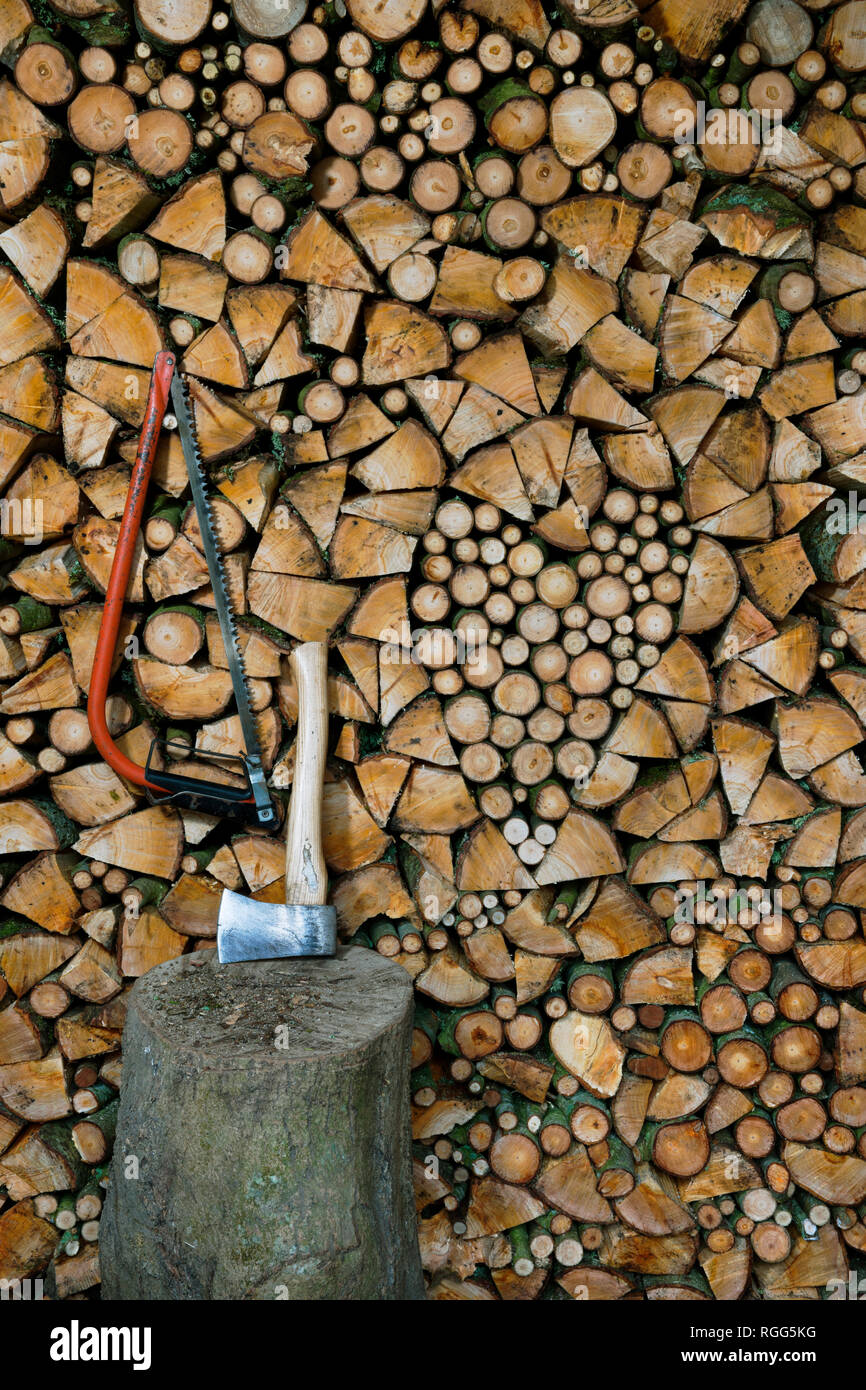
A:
x: 523, y: 349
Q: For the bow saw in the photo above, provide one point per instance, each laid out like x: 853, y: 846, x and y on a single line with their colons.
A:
x: 252, y: 800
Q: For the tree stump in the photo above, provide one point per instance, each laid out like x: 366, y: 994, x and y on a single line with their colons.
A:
x: 263, y: 1144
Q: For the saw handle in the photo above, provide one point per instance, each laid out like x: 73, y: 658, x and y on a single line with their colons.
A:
x: 306, y: 875
x: 130, y: 526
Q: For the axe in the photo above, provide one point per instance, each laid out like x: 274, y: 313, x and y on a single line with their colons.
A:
x: 305, y: 926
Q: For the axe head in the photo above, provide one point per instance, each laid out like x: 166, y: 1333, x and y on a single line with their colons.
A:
x: 247, y: 930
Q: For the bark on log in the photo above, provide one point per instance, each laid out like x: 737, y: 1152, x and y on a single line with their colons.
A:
x: 278, y: 1092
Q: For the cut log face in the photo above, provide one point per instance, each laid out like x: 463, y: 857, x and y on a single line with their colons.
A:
x: 526, y: 374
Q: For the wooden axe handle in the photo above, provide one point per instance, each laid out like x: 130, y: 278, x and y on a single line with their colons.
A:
x: 306, y: 875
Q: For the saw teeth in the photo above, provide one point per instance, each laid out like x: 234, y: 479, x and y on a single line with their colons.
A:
x: 217, y: 572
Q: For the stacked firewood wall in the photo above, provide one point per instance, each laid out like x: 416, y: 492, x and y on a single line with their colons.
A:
x: 525, y: 348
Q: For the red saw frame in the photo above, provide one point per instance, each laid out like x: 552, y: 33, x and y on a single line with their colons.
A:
x: 165, y: 786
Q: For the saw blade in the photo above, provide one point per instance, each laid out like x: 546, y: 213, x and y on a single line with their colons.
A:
x: 228, y: 628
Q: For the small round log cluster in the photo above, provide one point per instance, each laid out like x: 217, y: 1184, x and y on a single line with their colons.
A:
x: 524, y: 351
x: 529, y: 675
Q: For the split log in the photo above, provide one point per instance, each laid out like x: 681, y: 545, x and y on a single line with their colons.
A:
x: 596, y: 700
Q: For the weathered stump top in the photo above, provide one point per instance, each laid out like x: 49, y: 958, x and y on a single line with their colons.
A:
x: 321, y: 1007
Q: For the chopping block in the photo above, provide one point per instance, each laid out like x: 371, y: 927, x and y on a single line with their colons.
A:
x: 263, y: 1144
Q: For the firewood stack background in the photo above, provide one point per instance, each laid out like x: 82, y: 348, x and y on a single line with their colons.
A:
x: 525, y: 350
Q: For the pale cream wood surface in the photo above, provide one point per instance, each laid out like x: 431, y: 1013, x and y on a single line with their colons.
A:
x: 306, y: 875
